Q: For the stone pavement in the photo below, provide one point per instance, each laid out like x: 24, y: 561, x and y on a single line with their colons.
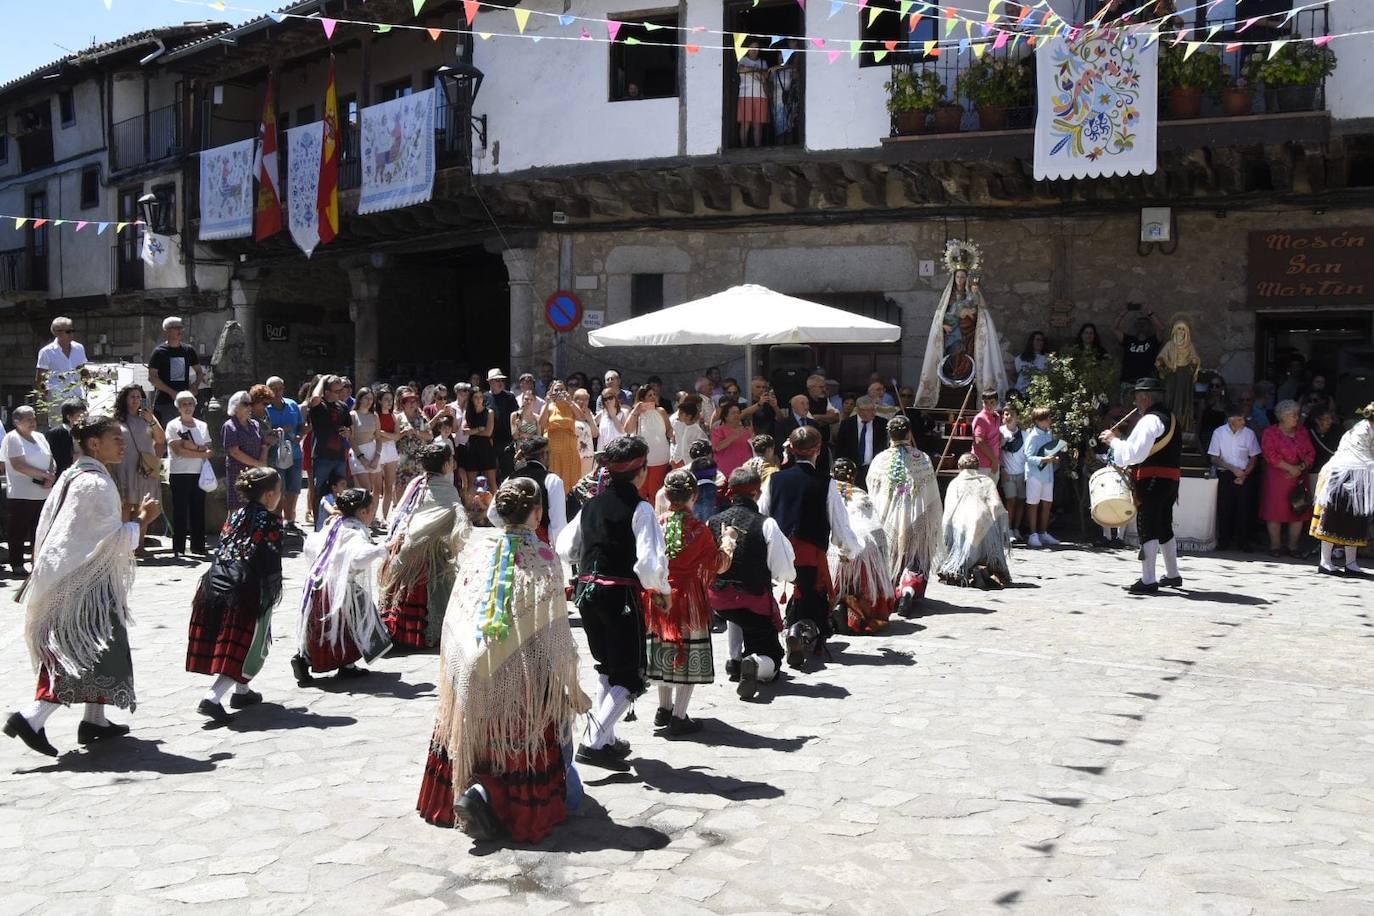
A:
x: 1057, y: 748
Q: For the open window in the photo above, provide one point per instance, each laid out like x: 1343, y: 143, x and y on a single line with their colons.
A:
x: 644, y: 58
x: 765, y: 98
x: 889, y: 31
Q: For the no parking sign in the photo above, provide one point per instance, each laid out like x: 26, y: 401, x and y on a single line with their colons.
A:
x: 563, y: 311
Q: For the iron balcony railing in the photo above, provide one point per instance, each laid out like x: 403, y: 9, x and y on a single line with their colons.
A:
x: 23, y: 272
x: 146, y: 138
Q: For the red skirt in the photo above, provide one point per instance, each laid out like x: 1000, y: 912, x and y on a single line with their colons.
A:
x: 326, y: 655
x: 653, y: 481
x: 529, y: 798
x: 405, y: 615
x: 221, y: 649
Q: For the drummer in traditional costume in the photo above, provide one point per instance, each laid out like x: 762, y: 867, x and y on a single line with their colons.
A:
x: 508, y: 689
x: 1152, y: 452
x: 679, y: 648
x: 617, y: 547
x: 906, y: 497
x: 231, y: 613
x: 428, y: 533
x: 531, y: 461
x: 977, y: 530
x: 76, y: 600
x: 1345, y: 498
x: 864, y: 596
x: 339, y: 622
x: 812, y: 516
x: 963, y: 347
x: 742, y: 593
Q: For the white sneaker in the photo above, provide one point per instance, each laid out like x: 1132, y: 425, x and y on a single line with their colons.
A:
x: 1049, y: 540
x: 1033, y: 541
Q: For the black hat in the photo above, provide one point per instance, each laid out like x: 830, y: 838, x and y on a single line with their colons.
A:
x: 1150, y: 384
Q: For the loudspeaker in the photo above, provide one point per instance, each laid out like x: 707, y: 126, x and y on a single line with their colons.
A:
x: 788, y: 367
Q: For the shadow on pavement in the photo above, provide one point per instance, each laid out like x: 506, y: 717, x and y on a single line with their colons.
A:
x: 589, y: 829
x: 1222, y: 597
x: 129, y: 755
x: 932, y: 607
x: 700, y: 780
x: 791, y: 687
x: 276, y: 717
x: 715, y: 733
x: 885, y: 656
x: 377, y: 683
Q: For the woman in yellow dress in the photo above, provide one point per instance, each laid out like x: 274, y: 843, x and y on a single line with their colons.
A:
x: 558, y: 422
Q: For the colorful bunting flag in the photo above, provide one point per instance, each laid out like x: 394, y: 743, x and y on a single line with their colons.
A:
x: 329, y: 25
x: 1276, y: 46
x: 434, y: 34
x: 419, y: 5
x: 522, y: 18
x: 612, y: 28
x: 566, y: 20
x: 470, y: 8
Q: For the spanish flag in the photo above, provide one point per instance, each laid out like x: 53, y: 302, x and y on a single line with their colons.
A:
x: 267, y: 220
x: 329, y: 163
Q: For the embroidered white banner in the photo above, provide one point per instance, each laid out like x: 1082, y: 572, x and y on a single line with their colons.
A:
x: 397, y: 152
x: 226, y: 191
x: 1098, y: 106
x: 303, y: 150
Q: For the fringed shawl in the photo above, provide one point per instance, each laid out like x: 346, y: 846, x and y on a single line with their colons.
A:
x: 428, y: 537
x: 82, y: 572
x: 976, y: 527
x: 693, y: 558
x: 1350, y: 472
x: 906, y: 497
x: 866, y: 574
x: 498, y: 694
x: 341, y: 560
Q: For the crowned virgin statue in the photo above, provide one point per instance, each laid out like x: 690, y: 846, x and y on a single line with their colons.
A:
x: 963, y: 346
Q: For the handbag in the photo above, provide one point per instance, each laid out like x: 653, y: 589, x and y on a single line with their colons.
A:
x: 149, y: 465
x: 208, y: 481
x: 1299, y: 500
x: 283, y: 455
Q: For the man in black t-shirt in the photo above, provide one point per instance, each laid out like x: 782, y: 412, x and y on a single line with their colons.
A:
x: 762, y: 411
x: 172, y: 370
x: 1138, y: 348
x: 504, y: 403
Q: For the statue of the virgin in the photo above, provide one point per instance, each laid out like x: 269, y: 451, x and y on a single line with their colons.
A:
x: 1178, y: 363
x: 963, y: 346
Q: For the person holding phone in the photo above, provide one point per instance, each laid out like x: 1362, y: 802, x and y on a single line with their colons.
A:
x: 188, y: 440
x: 1138, y: 348
x: 139, y: 475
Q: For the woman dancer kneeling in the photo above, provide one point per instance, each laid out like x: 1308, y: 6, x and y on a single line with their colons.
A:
x: 339, y: 622
x: 508, y: 691
x: 231, y: 614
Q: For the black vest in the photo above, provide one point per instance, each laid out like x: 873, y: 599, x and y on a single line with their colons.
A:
x: 608, y: 537
x: 535, y: 471
x: 1171, y: 454
x: 797, y: 502
x: 749, y: 570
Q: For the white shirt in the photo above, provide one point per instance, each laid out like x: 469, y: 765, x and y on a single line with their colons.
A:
x: 557, y: 519
x: 61, y: 368
x: 865, y: 440
x: 651, y: 552
x: 781, y: 557
x: 1013, y: 462
x: 1136, y: 449
x: 609, y: 428
x: 33, y: 452
x: 841, y: 532
x: 200, y: 435
x: 1234, y: 449
x: 684, y: 434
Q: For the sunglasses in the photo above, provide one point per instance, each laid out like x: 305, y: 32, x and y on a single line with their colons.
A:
x: 66, y: 330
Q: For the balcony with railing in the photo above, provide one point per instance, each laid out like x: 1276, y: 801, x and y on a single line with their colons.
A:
x: 953, y: 92
x: 146, y: 138
x: 22, y: 272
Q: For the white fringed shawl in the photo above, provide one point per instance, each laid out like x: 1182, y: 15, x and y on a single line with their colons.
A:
x: 976, y: 527
x: 341, y: 557
x: 906, y: 497
x: 82, y: 573
x: 1351, y: 470
x: 498, y: 695
x: 868, y: 571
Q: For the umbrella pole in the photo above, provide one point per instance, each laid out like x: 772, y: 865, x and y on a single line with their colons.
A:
x: 748, y: 379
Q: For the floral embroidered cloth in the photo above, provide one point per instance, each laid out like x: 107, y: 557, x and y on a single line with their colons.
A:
x: 1099, y: 111
x: 226, y: 191
x: 397, y: 153
x: 303, y: 146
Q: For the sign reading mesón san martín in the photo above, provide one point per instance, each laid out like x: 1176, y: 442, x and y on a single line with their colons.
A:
x: 1310, y: 267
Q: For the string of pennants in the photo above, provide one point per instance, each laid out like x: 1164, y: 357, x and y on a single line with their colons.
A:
x: 1034, y: 22
x: 32, y: 222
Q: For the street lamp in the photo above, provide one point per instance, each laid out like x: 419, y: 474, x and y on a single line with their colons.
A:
x: 151, y: 206
x: 461, y: 83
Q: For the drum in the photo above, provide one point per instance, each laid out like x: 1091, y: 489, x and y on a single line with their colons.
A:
x: 1109, y: 491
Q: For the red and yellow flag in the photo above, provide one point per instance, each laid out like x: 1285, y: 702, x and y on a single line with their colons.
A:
x: 267, y: 221
x: 329, y: 163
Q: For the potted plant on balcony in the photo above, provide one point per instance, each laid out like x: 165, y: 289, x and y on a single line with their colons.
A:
x: 995, y: 87
x: 911, y: 96
x: 1185, y: 78
x: 949, y: 117
x: 1238, y: 98
x: 1291, y: 76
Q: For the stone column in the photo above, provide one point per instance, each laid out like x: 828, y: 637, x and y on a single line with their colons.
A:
x: 244, y: 290
x: 520, y: 270
x: 365, y: 283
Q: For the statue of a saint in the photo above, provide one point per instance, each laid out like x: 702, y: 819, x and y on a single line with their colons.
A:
x: 963, y: 346
x: 1178, y: 364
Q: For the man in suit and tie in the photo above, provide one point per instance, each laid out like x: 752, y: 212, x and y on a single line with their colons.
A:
x: 801, y: 416
x: 861, y: 437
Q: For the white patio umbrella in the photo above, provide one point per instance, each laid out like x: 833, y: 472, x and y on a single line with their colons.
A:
x: 745, y: 316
